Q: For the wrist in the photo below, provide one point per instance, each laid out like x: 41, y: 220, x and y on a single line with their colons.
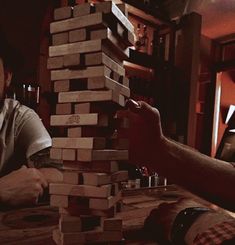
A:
x: 183, y: 221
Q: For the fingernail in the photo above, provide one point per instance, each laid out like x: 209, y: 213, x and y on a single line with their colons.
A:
x: 133, y: 103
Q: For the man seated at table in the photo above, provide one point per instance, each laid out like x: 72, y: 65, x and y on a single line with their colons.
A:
x: 214, y: 180
x: 23, y: 138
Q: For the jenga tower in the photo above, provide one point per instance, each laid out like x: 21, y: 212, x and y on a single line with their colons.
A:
x: 89, y: 44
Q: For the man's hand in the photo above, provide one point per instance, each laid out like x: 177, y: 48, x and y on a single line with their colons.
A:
x: 23, y: 186
x: 52, y: 175
x: 145, y: 133
x: 159, y: 223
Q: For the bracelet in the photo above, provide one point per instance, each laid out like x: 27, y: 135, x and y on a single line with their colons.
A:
x: 183, y: 222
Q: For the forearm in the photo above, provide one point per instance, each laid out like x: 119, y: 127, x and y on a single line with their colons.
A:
x: 210, y: 178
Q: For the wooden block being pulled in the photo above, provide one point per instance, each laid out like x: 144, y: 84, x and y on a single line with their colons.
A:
x: 99, y: 166
x: 88, y: 155
x: 82, y: 9
x: 60, y: 38
x: 77, y: 35
x: 79, y: 143
x: 92, y: 192
x: 55, y: 62
x: 113, y: 224
x: 96, y: 179
x: 79, y: 120
x: 101, y: 58
x: 62, y: 13
x: 91, y: 20
x: 71, y: 60
x: 59, y: 201
x: 61, y: 85
x: 108, y: 83
x: 110, y: 8
x: 63, y: 109
x: 94, y: 71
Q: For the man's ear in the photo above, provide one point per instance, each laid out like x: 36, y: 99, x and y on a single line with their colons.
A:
x: 8, y: 77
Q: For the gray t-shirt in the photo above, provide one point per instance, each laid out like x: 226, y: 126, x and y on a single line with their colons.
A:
x: 22, y: 134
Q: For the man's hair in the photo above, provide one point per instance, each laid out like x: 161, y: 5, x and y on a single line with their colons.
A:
x: 12, y: 59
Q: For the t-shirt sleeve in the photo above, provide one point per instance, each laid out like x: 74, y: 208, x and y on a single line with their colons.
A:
x: 31, y: 134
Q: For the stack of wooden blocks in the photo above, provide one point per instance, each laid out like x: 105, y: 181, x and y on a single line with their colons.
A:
x: 89, y: 44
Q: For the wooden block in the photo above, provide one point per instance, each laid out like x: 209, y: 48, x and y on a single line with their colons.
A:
x: 61, y: 86
x: 103, y: 204
x: 91, y: 20
x: 119, y: 176
x: 82, y: 9
x: 94, y: 71
x: 89, y: 131
x: 113, y: 224
x: 92, y: 96
x: 55, y: 153
x: 69, y: 154
x: 63, y: 109
x: 71, y: 177
x: 62, y: 13
x: 122, y: 7
x: 105, y: 107
x: 85, y: 96
x: 105, y: 82
x: 79, y: 120
x: 74, y: 132
x: 88, y: 155
x: 77, y: 35
x: 79, y: 143
x: 60, y: 38
x: 77, y: 47
x: 80, y: 190
x: 119, y: 144
x: 127, y: 36
x: 96, y: 179
x: 55, y: 62
x: 113, y: 41
x: 96, y: 236
x: 71, y: 60
x: 102, y: 59
x: 68, y: 238
x: 110, y: 8
x: 70, y: 224
x: 76, y: 211
x: 126, y: 82
x: 59, y: 201
x: 99, y: 166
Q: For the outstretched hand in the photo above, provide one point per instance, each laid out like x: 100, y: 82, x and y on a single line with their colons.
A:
x: 145, y: 133
x: 22, y: 186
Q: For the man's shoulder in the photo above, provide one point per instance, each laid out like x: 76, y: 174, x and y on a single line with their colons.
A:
x: 14, y: 106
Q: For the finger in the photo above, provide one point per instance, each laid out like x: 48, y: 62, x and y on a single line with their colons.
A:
x: 43, y: 180
x: 142, y: 108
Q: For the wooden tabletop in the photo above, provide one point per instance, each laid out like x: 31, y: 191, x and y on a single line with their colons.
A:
x: 34, y: 225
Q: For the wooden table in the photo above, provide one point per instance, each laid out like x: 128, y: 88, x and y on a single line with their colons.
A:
x: 34, y: 225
